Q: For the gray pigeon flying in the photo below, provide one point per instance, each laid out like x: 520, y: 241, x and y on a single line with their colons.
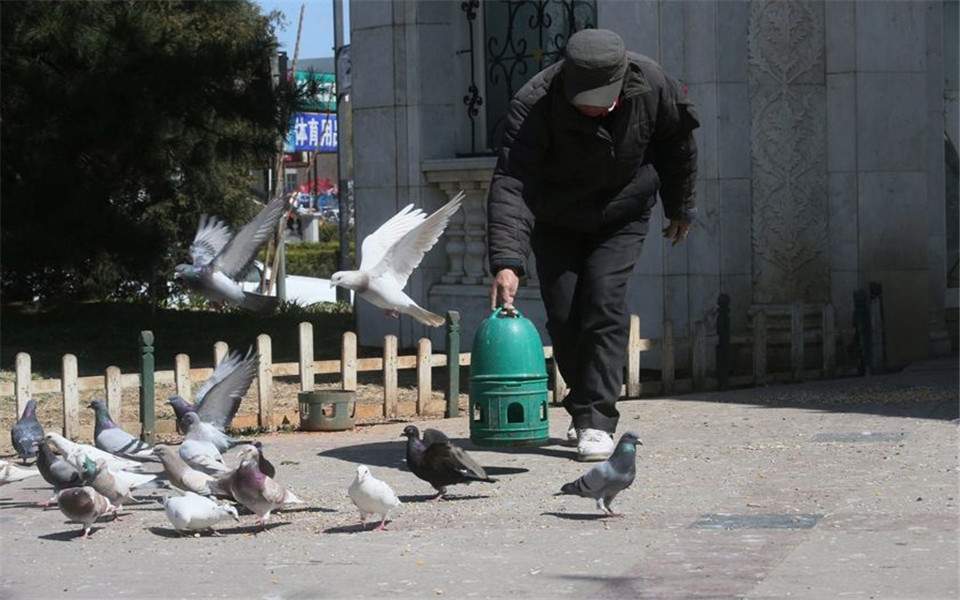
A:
x: 219, y: 258
x: 218, y: 399
x: 440, y: 463
x: 27, y: 434
x: 56, y: 471
x: 389, y: 256
x: 84, y: 505
x: 110, y: 438
x: 607, y: 479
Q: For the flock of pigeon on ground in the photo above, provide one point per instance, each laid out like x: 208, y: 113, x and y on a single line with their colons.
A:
x: 90, y: 482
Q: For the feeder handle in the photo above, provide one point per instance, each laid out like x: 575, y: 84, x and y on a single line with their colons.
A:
x: 509, y: 312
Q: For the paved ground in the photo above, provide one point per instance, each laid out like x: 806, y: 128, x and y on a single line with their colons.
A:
x: 844, y: 489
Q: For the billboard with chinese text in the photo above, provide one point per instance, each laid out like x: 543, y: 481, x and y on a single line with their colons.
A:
x: 312, y: 132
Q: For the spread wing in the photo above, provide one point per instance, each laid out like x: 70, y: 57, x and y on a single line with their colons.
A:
x: 221, y: 400
x: 212, y: 235
x: 240, y: 251
x: 376, y: 245
x: 402, y: 257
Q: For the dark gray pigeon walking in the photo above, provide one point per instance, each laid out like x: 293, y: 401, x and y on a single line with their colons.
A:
x: 218, y: 399
x: 439, y: 462
x: 56, y: 471
x: 607, y: 479
x: 219, y: 258
x: 110, y: 438
x: 27, y: 433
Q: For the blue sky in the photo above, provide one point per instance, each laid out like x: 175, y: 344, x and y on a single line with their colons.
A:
x: 316, y: 39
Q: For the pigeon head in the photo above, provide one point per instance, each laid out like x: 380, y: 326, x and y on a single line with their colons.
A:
x: 229, y: 509
x: 30, y: 410
x: 180, y: 406
x: 630, y: 440
x: 362, y: 472
x: 188, y: 273
x: 351, y: 280
x: 103, y: 416
x: 190, y: 420
x: 411, y: 431
x: 90, y: 468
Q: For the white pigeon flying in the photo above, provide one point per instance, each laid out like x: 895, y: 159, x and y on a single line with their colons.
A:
x: 74, y: 454
x: 372, y: 497
x: 10, y: 473
x: 193, y: 512
x: 391, y: 253
x: 219, y: 258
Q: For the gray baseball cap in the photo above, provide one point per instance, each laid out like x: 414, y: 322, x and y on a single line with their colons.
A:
x: 594, y: 65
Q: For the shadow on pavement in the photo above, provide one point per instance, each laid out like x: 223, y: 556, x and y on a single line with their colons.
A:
x: 168, y: 532
x: 447, y: 498
x: 68, y: 535
x: 392, y: 455
x: 306, y: 509
x: 355, y: 528
x: 576, y: 516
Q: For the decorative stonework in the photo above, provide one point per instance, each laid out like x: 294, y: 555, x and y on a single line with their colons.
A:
x: 789, y: 234
x: 465, y: 240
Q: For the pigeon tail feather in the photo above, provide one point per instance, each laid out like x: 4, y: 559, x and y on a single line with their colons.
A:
x: 425, y: 316
x: 259, y: 303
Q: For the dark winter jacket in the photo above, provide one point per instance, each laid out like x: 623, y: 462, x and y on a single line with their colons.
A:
x: 558, y: 166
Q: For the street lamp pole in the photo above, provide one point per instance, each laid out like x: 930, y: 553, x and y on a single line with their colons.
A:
x: 343, y: 255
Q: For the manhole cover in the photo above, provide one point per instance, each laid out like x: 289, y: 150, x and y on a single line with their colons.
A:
x: 860, y: 436
x: 774, y: 521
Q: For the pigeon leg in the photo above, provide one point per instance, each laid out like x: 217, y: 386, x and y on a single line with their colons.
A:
x: 382, y: 526
x: 47, y: 503
x: 440, y: 494
x: 215, y: 533
x: 86, y: 532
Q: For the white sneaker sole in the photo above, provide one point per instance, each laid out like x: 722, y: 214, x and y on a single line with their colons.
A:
x: 593, y: 457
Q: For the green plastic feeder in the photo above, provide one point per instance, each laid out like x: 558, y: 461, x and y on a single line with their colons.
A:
x: 327, y: 410
x: 508, y: 383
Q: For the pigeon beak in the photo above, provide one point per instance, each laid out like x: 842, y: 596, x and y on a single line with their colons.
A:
x: 333, y: 285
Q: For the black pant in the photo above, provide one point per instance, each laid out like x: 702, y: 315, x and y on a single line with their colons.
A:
x: 583, y: 281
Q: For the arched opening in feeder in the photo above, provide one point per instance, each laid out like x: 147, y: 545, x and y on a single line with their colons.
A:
x: 515, y: 413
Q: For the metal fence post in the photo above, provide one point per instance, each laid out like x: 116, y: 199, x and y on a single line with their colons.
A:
x: 147, y: 391
x: 453, y: 364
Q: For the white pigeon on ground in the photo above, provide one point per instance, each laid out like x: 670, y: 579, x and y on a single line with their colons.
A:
x: 10, y: 472
x: 372, y: 497
x: 74, y: 454
x: 389, y: 256
x: 195, y: 513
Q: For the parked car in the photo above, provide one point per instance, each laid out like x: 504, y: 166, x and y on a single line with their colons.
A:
x: 300, y: 289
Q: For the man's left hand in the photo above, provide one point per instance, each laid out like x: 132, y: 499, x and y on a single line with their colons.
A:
x: 677, y: 231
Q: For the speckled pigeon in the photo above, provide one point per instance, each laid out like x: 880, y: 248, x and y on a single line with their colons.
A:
x: 439, y: 462
x: 607, y: 479
x: 219, y: 258
x: 115, y: 486
x: 218, y: 399
x: 27, y: 433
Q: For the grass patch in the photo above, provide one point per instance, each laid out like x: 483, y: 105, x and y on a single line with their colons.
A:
x: 105, y: 334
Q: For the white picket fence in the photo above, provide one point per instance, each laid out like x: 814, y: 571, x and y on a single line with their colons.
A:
x: 113, y: 382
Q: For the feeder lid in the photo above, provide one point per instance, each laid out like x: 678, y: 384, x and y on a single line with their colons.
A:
x: 507, y: 345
